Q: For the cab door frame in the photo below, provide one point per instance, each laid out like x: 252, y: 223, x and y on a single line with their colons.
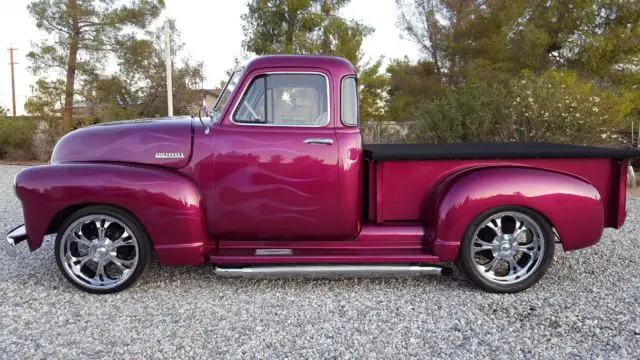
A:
x: 275, y: 181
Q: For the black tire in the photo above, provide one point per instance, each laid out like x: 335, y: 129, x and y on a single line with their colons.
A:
x: 466, y: 262
x: 140, y: 236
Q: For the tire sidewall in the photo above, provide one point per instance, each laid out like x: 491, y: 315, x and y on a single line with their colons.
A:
x: 139, y: 233
x: 466, y: 261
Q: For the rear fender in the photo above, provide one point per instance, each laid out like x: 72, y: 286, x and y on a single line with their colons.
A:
x: 571, y: 205
x: 167, y: 204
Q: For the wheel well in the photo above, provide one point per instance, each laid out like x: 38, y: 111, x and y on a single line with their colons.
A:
x: 64, y: 214
x: 553, y: 228
x: 545, y: 218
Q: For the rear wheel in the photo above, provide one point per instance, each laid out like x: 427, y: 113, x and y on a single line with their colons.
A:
x: 507, y: 249
x: 102, y: 249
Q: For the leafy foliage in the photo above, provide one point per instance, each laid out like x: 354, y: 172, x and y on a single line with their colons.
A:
x: 144, y: 75
x: 82, y: 34
x: 468, y: 113
x: 15, y: 138
x: 314, y: 27
x: 45, y: 105
x: 546, y: 52
x: 559, y: 107
x: 410, y: 85
x: 556, y: 107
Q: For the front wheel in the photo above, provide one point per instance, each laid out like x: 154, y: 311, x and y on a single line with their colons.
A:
x: 102, y: 249
x: 507, y: 249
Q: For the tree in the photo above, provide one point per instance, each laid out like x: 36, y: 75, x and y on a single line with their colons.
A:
x: 81, y: 34
x: 409, y: 85
x: 315, y: 27
x: 467, y: 38
x: 280, y: 26
x: 584, y: 46
x: 144, y: 74
x: 45, y: 104
x: 4, y: 111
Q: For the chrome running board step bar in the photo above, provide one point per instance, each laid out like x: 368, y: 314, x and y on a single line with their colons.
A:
x: 334, y: 270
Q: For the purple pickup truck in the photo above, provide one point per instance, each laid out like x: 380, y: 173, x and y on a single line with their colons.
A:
x: 277, y: 181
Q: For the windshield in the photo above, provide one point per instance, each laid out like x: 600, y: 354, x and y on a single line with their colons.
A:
x: 226, y: 94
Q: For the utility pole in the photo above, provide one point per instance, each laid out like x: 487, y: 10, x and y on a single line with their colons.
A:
x: 167, y: 38
x: 13, y: 81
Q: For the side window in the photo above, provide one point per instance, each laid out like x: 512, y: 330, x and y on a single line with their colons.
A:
x: 251, y: 108
x: 349, y: 101
x: 285, y: 100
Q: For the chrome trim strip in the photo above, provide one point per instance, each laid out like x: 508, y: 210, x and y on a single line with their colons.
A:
x: 318, y: 141
x: 292, y: 72
x: 263, y: 252
x: 233, y: 72
x: 331, y: 270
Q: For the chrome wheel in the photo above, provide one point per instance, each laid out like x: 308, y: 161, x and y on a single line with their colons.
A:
x: 507, y: 247
x: 99, y: 252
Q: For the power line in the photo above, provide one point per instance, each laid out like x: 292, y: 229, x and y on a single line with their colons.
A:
x: 13, y: 81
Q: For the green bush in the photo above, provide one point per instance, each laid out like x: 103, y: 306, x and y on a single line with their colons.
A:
x: 16, y: 138
x: 560, y: 107
x: 468, y: 113
x: 555, y: 106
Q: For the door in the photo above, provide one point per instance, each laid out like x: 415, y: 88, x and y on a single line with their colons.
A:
x: 276, y: 162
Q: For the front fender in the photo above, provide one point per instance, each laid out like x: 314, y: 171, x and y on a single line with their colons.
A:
x: 167, y: 203
x: 572, y: 205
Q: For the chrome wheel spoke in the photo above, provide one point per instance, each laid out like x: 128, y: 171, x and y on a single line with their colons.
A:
x: 478, y: 248
x: 520, y: 232
x: 124, y: 239
x: 527, y: 249
x: 102, y: 225
x: 481, y: 245
x: 78, y: 262
x: 100, y: 276
x: 514, y: 268
x: 497, y: 228
x: 79, y: 238
x: 490, y: 266
x: 122, y: 264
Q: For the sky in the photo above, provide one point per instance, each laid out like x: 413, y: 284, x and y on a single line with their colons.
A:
x: 211, y: 30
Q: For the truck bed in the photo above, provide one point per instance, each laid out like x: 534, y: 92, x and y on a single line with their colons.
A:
x: 469, y: 151
x: 397, y: 172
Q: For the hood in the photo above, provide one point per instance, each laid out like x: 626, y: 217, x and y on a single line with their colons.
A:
x: 160, y: 142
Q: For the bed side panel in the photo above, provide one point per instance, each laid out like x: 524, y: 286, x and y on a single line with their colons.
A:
x: 407, y: 188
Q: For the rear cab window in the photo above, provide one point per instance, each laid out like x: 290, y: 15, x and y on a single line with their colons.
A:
x: 349, y: 101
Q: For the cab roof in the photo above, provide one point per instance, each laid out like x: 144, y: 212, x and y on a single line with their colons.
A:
x: 335, y: 65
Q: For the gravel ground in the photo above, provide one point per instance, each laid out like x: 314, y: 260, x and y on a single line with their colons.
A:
x: 587, y: 306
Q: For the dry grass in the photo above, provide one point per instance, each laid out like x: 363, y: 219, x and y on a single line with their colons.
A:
x: 22, y: 162
x: 635, y: 192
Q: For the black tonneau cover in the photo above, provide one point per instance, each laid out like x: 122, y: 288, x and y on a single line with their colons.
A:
x: 522, y: 150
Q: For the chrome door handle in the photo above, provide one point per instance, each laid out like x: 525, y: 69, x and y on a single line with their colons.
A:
x: 318, y: 141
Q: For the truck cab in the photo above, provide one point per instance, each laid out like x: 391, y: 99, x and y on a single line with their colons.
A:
x: 277, y: 181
